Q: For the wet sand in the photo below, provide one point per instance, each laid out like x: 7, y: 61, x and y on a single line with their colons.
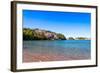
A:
x: 37, y: 57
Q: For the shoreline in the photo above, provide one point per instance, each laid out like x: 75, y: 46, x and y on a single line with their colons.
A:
x: 37, y: 57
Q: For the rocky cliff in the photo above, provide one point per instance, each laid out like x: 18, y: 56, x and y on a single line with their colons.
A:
x: 39, y: 34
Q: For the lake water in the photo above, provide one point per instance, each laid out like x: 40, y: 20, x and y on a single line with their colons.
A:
x: 73, y: 48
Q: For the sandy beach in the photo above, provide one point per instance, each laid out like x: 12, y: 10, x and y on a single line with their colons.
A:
x: 37, y: 57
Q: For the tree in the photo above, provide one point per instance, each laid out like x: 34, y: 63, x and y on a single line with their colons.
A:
x: 70, y: 38
x: 37, y: 34
x: 61, y: 36
x: 81, y: 38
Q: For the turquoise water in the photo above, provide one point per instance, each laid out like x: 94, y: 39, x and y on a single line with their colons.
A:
x: 64, y: 47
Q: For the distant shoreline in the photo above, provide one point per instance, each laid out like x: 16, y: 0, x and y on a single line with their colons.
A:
x: 40, y: 34
x: 50, y: 40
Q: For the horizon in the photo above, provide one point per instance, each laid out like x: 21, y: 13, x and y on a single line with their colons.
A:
x: 70, y: 24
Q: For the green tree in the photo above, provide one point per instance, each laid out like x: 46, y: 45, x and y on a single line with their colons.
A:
x: 61, y: 36
x: 70, y: 38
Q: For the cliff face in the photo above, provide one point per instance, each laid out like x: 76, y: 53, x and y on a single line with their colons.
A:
x: 39, y: 34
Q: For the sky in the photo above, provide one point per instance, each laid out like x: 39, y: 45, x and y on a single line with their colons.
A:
x: 71, y: 24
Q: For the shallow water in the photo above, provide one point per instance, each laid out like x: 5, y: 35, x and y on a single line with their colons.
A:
x: 72, y: 48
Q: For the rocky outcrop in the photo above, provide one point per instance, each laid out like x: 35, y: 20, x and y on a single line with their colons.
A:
x: 39, y: 34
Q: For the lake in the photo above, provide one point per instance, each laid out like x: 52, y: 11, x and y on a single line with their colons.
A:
x: 56, y: 50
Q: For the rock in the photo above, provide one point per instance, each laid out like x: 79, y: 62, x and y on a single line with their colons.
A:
x: 39, y: 34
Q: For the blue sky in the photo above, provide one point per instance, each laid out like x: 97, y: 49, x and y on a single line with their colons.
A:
x: 71, y: 24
